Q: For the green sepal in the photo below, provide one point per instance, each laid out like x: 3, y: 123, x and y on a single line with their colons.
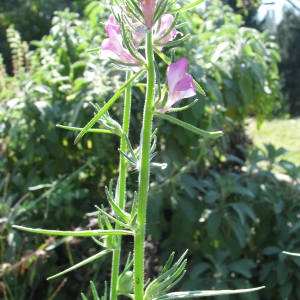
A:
x: 82, y: 233
x: 82, y: 263
x: 186, y: 7
x: 182, y: 108
x: 106, y: 106
x: 207, y: 134
x: 93, y: 50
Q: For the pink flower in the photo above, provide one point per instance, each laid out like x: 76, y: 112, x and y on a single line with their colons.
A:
x: 166, y: 22
x: 148, y: 7
x: 112, y: 48
x: 137, y: 36
x: 181, y: 85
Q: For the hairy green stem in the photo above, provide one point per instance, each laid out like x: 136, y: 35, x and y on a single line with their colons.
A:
x: 144, y: 170
x: 122, y: 189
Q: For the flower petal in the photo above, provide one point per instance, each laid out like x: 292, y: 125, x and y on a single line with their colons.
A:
x: 166, y: 22
x: 181, y: 85
x: 175, y: 72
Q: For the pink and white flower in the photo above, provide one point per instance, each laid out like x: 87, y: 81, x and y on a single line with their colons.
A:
x: 166, y: 22
x: 112, y: 48
x: 180, y: 83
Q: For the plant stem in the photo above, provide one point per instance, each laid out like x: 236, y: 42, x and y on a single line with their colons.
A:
x: 122, y: 190
x: 144, y: 171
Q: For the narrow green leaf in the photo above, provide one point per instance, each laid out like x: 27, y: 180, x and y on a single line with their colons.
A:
x: 83, y: 296
x: 157, y: 80
x: 162, y: 56
x: 112, y: 218
x: 182, y: 108
x: 186, y: 7
x: 94, y: 291
x: 82, y: 263
x: 79, y: 129
x: 98, y: 242
x: 75, y: 233
x: 129, y: 147
x: 129, y: 159
x: 106, y: 221
x: 190, y: 127
x: 291, y: 253
x: 100, y: 221
x: 134, y: 204
x: 93, y: 50
x: 199, y: 88
x: 168, y: 263
x: 106, y: 107
x: 174, y: 43
x: 116, y: 208
x: 193, y: 294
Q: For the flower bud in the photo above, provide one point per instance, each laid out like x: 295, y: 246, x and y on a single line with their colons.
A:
x: 148, y: 7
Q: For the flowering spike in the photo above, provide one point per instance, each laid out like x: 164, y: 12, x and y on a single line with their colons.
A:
x: 180, y: 84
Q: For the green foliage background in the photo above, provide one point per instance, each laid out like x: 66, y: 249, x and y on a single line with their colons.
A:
x: 288, y: 38
x: 214, y: 198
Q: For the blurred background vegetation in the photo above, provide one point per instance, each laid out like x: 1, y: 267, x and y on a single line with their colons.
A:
x: 233, y: 202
